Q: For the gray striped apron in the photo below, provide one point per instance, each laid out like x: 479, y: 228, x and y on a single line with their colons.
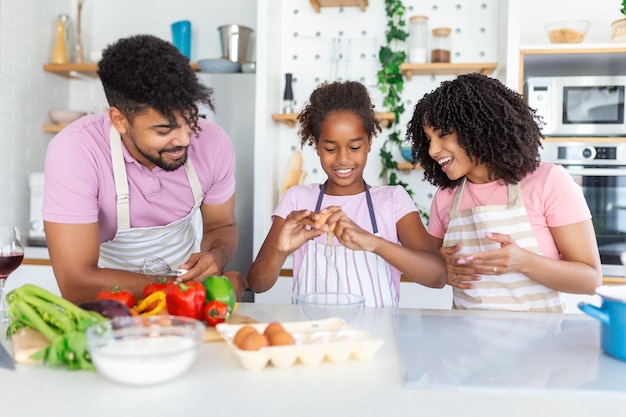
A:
x: 346, y: 270
x: 130, y: 247
x: 514, y: 291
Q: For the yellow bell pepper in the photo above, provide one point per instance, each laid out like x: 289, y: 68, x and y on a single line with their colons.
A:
x: 155, y: 302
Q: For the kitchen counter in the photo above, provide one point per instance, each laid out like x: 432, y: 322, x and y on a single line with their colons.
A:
x: 218, y: 385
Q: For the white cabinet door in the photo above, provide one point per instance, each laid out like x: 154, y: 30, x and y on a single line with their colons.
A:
x: 40, y: 275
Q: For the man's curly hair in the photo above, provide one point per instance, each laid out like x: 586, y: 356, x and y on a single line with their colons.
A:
x: 494, y: 125
x: 142, y: 72
x: 331, y: 97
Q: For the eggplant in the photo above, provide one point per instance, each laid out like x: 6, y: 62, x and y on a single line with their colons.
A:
x: 108, y: 308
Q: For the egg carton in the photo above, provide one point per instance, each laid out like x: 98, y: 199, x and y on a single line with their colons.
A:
x: 316, y: 341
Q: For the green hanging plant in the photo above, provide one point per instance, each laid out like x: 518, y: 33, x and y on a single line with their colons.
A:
x: 391, y: 84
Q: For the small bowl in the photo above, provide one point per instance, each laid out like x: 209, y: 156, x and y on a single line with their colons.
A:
x: 406, y: 153
x: 323, y: 305
x: 65, y: 116
x: 144, y: 350
x: 567, y: 31
x: 219, y: 65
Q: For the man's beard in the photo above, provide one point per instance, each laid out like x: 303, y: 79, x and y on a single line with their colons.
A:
x: 158, y: 161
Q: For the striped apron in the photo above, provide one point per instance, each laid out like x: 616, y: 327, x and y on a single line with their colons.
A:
x: 339, y: 269
x: 514, y: 291
x: 130, y: 247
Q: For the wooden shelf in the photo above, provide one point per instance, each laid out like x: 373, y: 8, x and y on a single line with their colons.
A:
x: 406, y: 167
x: 90, y: 70
x: 443, y: 68
x: 318, y: 4
x: 291, y: 119
x: 53, y: 128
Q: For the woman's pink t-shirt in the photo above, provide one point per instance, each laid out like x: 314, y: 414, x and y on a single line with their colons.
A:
x: 551, y: 198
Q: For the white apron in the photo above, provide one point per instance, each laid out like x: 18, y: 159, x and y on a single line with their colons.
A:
x: 514, y: 291
x: 130, y: 247
x: 346, y: 270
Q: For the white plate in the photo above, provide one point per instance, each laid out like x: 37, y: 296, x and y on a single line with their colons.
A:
x: 318, y: 340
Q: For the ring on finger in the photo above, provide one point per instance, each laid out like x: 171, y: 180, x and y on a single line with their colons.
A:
x: 453, y: 261
x: 454, y: 277
x: 495, y: 269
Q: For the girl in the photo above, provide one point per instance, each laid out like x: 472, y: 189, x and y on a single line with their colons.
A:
x: 514, y: 231
x: 377, y: 232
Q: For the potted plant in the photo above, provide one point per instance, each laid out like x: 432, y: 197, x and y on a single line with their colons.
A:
x: 618, y: 27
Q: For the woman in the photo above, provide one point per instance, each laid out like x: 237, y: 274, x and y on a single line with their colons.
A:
x: 514, y: 231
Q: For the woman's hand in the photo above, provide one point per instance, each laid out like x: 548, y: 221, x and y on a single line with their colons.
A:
x: 509, y: 258
x: 458, y: 276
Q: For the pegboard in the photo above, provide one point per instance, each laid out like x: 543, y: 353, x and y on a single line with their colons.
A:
x: 340, y: 44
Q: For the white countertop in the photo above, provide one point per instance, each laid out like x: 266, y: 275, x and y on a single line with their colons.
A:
x: 218, y: 385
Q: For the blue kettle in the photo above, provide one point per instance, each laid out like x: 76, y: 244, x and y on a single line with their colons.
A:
x: 612, y: 316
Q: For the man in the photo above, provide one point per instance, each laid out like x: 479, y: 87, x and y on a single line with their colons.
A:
x: 148, y: 178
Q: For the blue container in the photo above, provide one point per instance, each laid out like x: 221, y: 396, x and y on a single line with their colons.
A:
x: 181, y: 37
x: 612, y: 316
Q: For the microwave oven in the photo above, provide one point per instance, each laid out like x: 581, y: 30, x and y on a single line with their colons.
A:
x: 579, y: 106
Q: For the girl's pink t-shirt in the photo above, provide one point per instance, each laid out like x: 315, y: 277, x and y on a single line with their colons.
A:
x: 551, y: 197
x: 79, y: 187
x: 391, y: 203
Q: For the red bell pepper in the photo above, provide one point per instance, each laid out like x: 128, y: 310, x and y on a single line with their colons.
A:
x: 215, y: 312
x: 161, y: 284
x: 118, y: 294
x: 186, y: 299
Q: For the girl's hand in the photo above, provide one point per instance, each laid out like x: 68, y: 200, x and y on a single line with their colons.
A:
x: 298, y: 228
x: 349, y: 234
x: 458, y: 276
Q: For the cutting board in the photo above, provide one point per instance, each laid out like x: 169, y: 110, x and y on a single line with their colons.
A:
x: 28, y: 341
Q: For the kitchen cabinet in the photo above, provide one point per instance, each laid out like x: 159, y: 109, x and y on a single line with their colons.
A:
x: 446, y: 68
x: 571, y: 60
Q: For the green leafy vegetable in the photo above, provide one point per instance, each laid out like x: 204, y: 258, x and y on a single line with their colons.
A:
x: 60, y: 321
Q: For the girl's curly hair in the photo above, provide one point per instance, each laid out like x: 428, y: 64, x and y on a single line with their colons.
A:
x: 143, y: 71
x: 493, y: 123
x: 330, y: 97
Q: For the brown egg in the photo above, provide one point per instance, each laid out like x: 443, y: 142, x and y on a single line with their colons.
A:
x: 272, y: 328
x: 242, y: 333
x: 253, y: 341
x: 281, y: 338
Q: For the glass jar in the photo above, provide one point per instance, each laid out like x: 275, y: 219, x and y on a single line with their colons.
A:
x: 441, y: 45
x: 418, y: 39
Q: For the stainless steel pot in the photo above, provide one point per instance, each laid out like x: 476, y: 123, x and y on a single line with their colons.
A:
x: 236, y: 42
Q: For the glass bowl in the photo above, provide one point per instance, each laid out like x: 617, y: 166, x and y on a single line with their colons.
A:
x: 144, y: 350
x: 567, y: 31
x: 323, y: 305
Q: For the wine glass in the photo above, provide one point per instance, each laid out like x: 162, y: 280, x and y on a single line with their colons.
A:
x: 11, y: 256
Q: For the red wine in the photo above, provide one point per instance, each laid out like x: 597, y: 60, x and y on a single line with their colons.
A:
x: 9, y: 263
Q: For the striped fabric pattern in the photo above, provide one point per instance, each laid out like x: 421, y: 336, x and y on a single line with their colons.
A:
x: 513, y: 291
x: 339, y: 269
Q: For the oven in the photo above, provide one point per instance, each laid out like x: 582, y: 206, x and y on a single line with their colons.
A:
x: 600, y: 169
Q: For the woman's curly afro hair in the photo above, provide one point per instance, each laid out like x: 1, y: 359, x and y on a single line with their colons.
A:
x: 337, y: 96
x: 493, y: 123
x: 143, y: 71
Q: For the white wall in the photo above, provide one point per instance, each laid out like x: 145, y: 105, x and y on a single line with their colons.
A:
x: 26, y: 94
